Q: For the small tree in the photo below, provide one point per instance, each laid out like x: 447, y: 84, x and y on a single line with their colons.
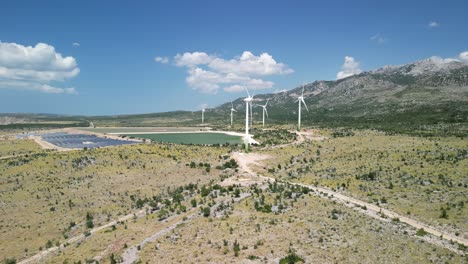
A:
x: 236, y: 248
x: 291, y: 258
x: 112, y: 259
x: 49, y: 244
x: 444, y: 214
x: 10, y: 261
x: 206, y: 211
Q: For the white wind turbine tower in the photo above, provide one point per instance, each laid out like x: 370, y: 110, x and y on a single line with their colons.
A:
x: 232, y: 112
x: 203, y: 116
x: 265, y: 112
x: 300, y: 99
x: 251, y: 112
x: 248, y: 104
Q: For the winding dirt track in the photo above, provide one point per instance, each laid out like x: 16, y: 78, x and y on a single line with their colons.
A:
x: 38, y: 258
x: 246, y: 160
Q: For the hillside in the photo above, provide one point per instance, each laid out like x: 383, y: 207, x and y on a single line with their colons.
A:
x: 426, y: 92
x: 427, y: 95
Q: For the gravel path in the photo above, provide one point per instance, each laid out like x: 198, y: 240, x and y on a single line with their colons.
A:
x: 245, y: 162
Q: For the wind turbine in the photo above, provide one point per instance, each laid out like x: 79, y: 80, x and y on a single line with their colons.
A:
x: 300, y: 99
x: 232, y: 112
x: 203, y: 116
x: 265, y: 112
x: 248, y: 104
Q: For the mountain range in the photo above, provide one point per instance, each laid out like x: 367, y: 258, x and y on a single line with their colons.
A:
x: 426, y: 94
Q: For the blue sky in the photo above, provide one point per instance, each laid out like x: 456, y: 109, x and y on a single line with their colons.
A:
x: 119, y: 41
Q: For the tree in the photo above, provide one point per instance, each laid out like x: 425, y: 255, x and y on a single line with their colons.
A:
x: 112, y: 259
x: 206, y: 211
x: 291, y: 258
x: 194, y: 202
x: 204, y: 191
x: 49, y: 244
x: 236, y: 248
x: 444, y: 214
x: 10, y: 261
x: 89, y: 223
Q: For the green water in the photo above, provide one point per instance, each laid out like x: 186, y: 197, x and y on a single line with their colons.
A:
x: 191, y: 138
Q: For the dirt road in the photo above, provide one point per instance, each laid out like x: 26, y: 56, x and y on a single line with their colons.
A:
x: 246, y: 161
x: 39, y: 256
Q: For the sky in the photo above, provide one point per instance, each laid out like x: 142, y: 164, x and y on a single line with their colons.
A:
x: 129, y: 57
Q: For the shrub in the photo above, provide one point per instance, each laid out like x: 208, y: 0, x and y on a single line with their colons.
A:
x: 206, y: 211
x: 291, y: 258
x: 421, y: 232
x: 444, y: 214
x: 10, y: 261
x: 236, y: 248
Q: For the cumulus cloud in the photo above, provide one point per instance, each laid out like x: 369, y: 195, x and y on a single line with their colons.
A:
x: 33, y: 68
x: 378, y: 38
x: 463, y: 56
x: 280, y: 91
x: 44, y: 88
x: 163, y: 60
x: 50, y: 89
x: 349, y: 68
x: 249, y: 64
x: 234, y: 88
x: 203, y: 80
x: 75, y: 44
x: 433, y: 24
x: 208, y: 73
x: 192, y: 59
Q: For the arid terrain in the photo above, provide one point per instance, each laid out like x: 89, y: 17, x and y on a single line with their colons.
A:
x: 366, y: 197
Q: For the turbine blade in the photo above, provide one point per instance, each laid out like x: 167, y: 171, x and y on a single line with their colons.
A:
x: 247, y: 90
x: 305, y: 105
x: 266, y: 112
x: 267, y: 102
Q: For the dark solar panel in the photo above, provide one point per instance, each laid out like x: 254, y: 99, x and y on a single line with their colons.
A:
x: 81, y: 140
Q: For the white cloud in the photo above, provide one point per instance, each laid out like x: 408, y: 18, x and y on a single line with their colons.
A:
x: 75, y: 44
x: 234, y: 88
x: 205, y: 81
x: 32, y: 68
x: 463, y: 56
x: 378, y: 38
x: 433, y: 24
x: 280, y: 91
x: 163, y: 60
x: 349, y: 68
x: 208, y: 73
x: 50, y: 89
x: 440, y: 60
x: 28, y: 86
x: 192, y: 59
x: 251, y: 65
x: 257, y: 84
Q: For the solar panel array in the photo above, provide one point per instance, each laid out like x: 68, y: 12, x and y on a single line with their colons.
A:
x: 80, y: 141
x: 25, y: 135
